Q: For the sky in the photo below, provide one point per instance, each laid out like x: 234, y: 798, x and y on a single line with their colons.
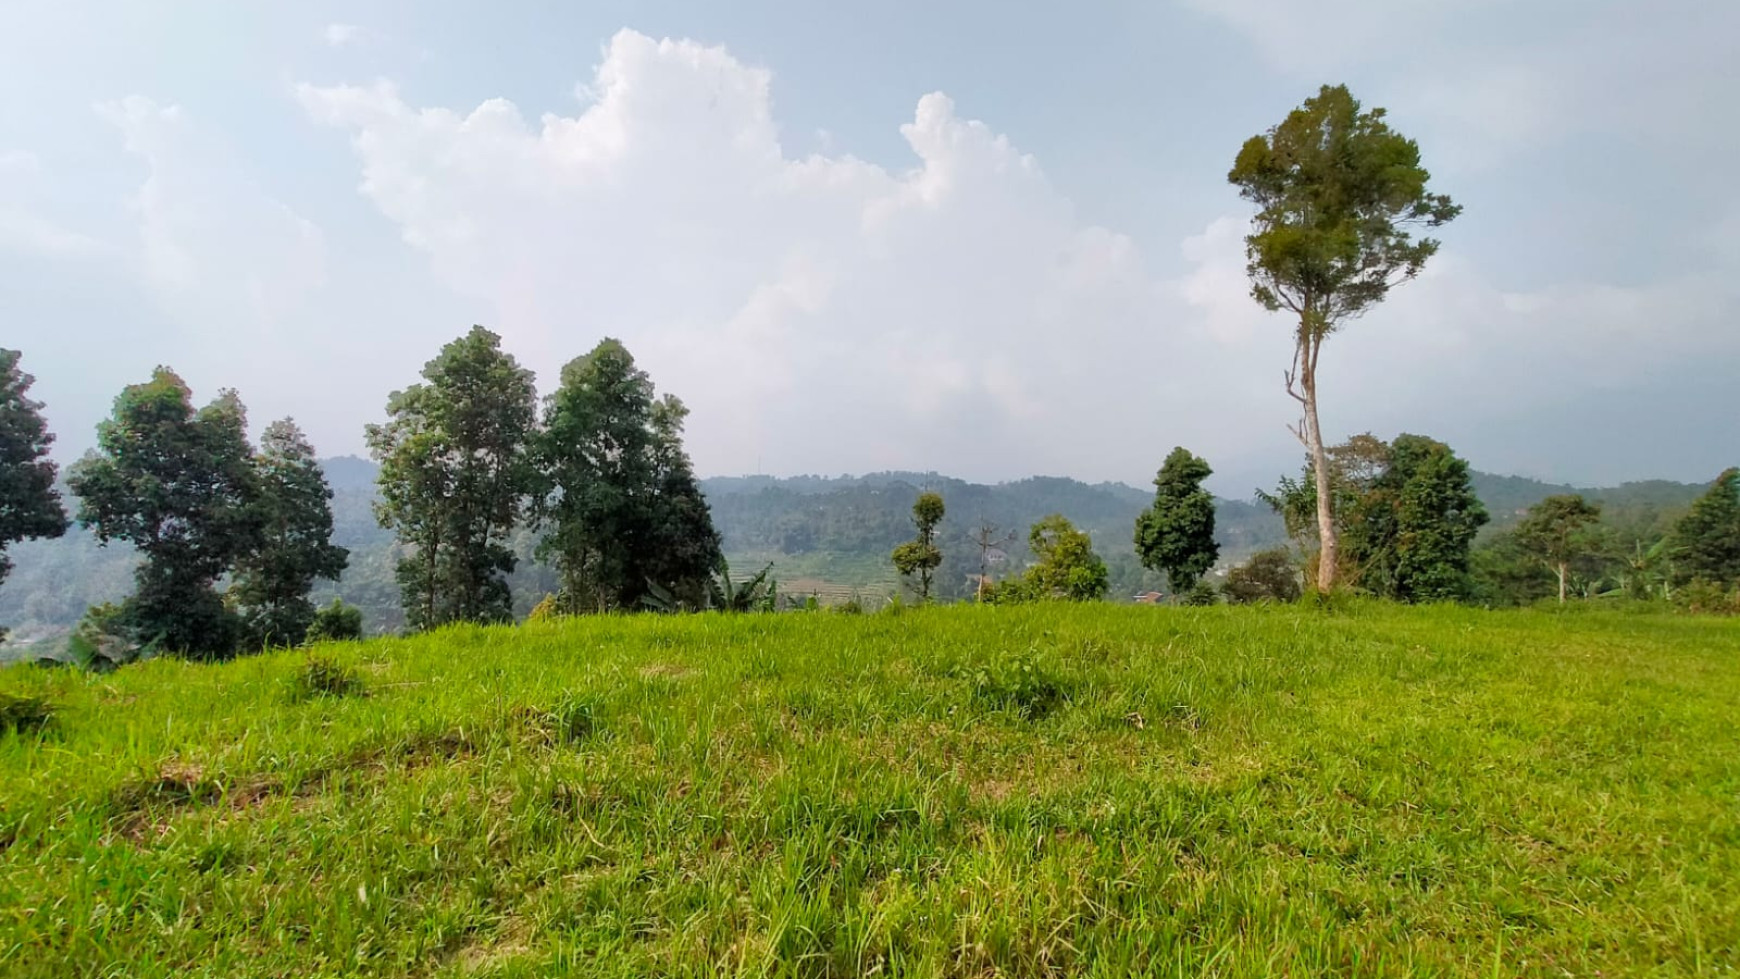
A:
x: 987, y: 239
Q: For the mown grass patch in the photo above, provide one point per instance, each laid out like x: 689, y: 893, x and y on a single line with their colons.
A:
x: 947, y: 792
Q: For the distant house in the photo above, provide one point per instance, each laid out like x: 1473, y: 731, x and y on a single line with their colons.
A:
x: 1148, y: 598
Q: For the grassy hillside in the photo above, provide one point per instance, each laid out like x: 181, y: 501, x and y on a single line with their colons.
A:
x: 944, y: 792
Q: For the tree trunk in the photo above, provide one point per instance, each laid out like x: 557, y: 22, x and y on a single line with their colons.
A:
x: 1329, y: 550
x: 1561, y: 569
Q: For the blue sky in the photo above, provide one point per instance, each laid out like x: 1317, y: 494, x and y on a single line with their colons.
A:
x: 991, y: 239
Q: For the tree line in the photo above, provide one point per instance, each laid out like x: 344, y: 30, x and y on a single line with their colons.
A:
x: 469, y: 458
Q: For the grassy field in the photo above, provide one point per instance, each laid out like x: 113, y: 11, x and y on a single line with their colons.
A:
x: 945, y: 792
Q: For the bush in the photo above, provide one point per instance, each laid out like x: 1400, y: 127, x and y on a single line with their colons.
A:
x: 1202, y: 593
x: 101, y: 641
x: 337, y: 622
x: 1019, y: 684
x: 24, y: 714
x: 1269, y: 576
x: 322, y: 676
x: 546, y: 610
x: 1702, y: 597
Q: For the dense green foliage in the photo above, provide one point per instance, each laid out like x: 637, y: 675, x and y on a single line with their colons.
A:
x: 29, y: 505
x: 1269, y: 576
x: 180, y: 486
x: 455, y: 477
x: 624, y: 511
x: 1707, y: 539
x: 1338, y: 195
x: 1065, y: 566
x: 1081, y: 790
x: 920, y: 556
x: 295, y: 545
x: 1557, y: 531
x: 1176, y: 534
x: 335, y: 621
x: 1407, y: 511
x: 1410, y: 533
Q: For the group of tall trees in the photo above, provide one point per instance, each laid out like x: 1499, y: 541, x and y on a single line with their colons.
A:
x: 466, y: 459
x: 1566, y: 546
x: 199, y: 503
x: 1174, y: 536
x: 1405, y: 510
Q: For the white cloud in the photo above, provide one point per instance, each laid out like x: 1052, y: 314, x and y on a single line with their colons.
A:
x: 339, y: 35
x: 212, y: 246
x: 820, y: 312
x: 823, y: 313
x: 22, y: 228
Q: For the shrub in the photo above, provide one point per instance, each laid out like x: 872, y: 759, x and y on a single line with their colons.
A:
x: 1703, y: 597
x: 337, y: 622
x: 546, y: 610
x: 24, y: 714
x: 1269, y: 576
x: 101, y: 641
x: 1202, y: 593
x: 1019, y: 684
x: 322, y: 676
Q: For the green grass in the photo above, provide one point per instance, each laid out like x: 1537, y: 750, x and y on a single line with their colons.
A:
x: 942, y: 792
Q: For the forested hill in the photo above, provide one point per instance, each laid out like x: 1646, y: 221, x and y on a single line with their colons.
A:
x: 825, y: 535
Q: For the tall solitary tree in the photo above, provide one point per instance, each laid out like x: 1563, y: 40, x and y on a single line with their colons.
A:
x: 456, y: 474
x: 1557, y: 531
x: 29, y: 505
x: 627, y: 513
x: 1338, y: 196
x: 1411, y: 532
x: 1708, y: 536
x: 295, y: 545
x: 1176, y: 533
x: 180, y: 485
x: 920, y: 556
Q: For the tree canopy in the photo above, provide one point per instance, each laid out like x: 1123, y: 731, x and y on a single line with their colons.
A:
x: 1176, y: 533
x: 29, y: 505
x: 1064, y: 567
x: 1708, y: 537
x: 180, y: 485
x: 295, y: 545
x: 625, y: 510
x: 1411, y: 532
x: 1557, y: 530
x: 455, y: 478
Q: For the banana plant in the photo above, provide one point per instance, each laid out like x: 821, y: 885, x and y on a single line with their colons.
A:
x: 757, y: 593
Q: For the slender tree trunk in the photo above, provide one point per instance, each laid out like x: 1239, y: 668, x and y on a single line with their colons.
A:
x: 1561, y: 570
x: 1329, y: 550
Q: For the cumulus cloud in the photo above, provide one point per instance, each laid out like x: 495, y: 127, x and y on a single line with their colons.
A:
x: 821, y: 312
x: 211, y: 245
x: 817, y: 311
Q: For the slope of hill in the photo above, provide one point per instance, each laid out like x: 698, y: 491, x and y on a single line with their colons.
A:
x: 945, y: 792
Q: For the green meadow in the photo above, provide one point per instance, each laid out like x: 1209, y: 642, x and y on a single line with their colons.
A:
x: 961, y: 791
